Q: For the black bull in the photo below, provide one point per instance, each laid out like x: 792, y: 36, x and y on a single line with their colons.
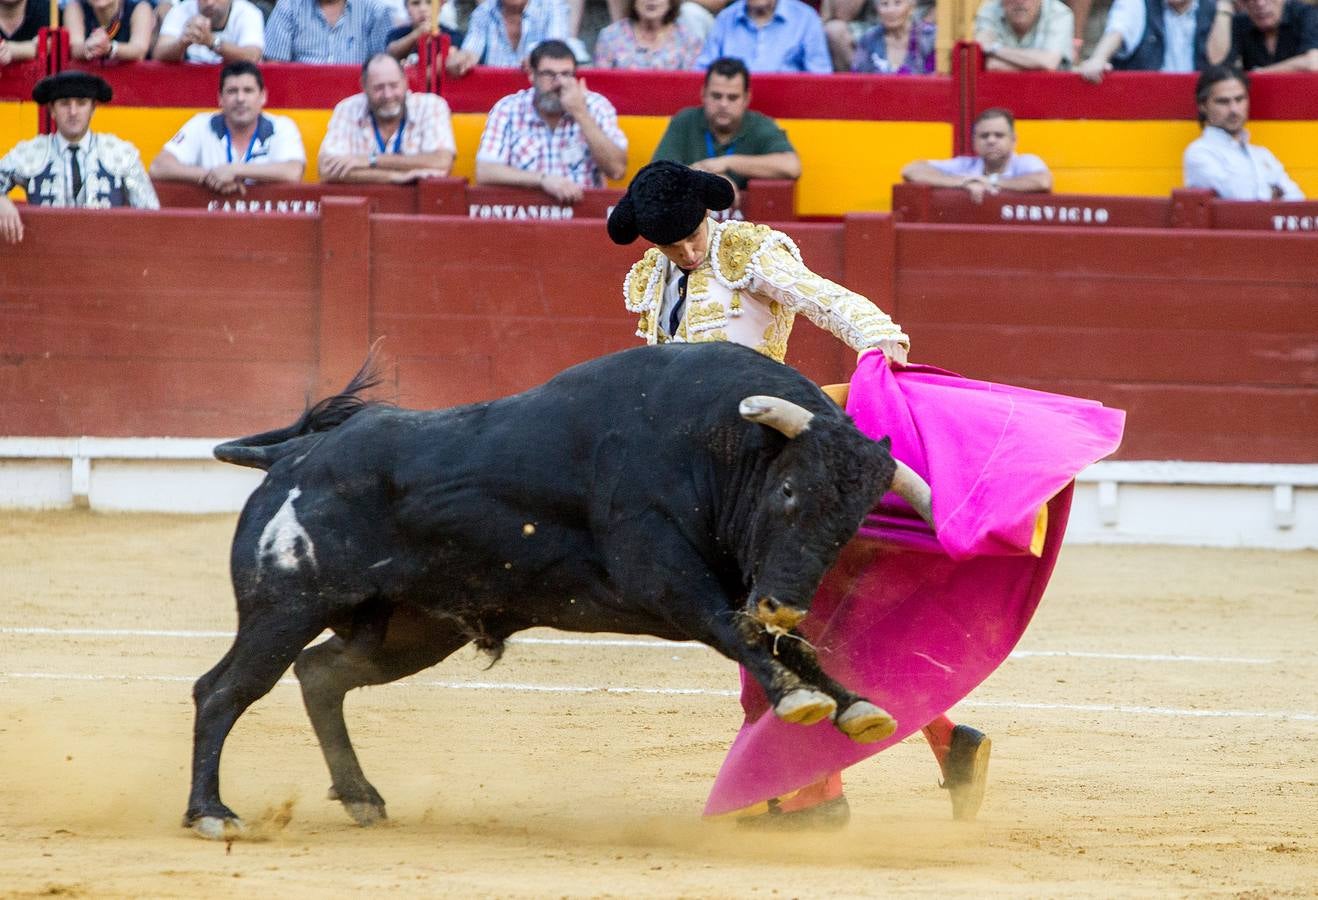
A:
x: 692, y: 492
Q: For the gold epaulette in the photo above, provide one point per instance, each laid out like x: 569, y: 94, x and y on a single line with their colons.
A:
x: 638, y: 286
x: 738, y: 243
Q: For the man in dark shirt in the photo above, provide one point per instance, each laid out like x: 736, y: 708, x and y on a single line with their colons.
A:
x: 1269, y: 36
x: 724, y: 136
x: 19, y: 22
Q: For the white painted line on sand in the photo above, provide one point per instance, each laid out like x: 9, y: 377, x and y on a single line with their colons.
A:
x: 516, y: 688
x: 640, y: 642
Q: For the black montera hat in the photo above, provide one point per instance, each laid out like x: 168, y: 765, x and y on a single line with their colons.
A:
x: 72, y: 84
x: 666, y: 202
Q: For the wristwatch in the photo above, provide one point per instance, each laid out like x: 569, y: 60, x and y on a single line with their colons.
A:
x: 372, y: 159
x: 216, y: 42
x: 993, y: 48
x: 993, y: 180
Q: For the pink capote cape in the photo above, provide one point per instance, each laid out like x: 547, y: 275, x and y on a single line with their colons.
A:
x: 915, y: 620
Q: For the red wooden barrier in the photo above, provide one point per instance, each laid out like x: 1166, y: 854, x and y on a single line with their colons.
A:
x: 1294, y: 216
x: 514, y: 203
x: 762, y: 201
x: 288, y: 85
x: 1205, y: 337
x: 146, y: 342
x: 922, y: 203
x: 290, y: 198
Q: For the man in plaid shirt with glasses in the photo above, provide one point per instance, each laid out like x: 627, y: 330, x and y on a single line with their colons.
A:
x: 555, y: 135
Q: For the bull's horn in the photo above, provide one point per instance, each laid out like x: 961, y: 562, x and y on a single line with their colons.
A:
x: 914, y: 490
x: 779, y: 414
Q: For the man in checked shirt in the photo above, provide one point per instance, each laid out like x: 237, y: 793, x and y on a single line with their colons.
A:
x: 555, y: 135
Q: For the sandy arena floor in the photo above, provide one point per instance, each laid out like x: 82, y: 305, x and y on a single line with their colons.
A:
x: 1117, y: 770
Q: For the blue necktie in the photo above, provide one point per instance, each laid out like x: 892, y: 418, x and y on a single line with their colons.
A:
x: 76, y: 170
x: 675, y: 317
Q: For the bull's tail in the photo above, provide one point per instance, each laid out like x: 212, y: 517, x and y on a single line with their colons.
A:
x: 261, y: 451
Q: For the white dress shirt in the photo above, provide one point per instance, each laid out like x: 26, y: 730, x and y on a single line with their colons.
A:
x: 1236, y: 169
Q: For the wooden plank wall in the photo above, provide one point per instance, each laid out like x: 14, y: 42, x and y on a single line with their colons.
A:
x: 188, y: 323
x: 117, y: 323
x: 1207, y: 339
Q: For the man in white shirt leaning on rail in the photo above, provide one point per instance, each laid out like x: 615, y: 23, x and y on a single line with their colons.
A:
x: 995, y: 166
x: 1223, y: 159
x: 237, y: 146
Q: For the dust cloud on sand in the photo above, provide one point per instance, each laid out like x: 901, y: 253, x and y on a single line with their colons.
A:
x: 1116, y: 771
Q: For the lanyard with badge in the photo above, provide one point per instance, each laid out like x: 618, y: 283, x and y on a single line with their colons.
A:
x: 228, y: 146
x: 398, y: 135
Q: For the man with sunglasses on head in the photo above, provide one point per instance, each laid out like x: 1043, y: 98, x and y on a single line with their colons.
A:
x: 555, y: 135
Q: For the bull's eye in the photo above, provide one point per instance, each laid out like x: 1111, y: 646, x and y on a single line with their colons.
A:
x: 789, y: 499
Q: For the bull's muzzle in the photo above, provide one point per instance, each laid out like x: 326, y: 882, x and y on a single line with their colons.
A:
x: 776, y: 617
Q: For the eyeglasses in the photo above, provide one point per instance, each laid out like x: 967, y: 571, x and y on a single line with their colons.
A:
x: 555, y: 76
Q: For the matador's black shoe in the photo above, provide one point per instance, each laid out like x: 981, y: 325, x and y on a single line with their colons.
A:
x: 967, y: 771
x: 830, y: 815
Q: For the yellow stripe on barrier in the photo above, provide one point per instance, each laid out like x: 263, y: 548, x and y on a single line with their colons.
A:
x: 848, y: 165
x: 1144, y: 157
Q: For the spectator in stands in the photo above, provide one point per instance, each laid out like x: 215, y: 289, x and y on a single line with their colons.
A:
x: 1269, y: 36
x: 1153, y: 36
x: 109, y: 29
x: 327, y: 31
x: 1024, y: 35
x: 769, y: 36
x: 74, y: 166
x: 20, y: 20
x: 555, y: 135
x: 902, y: 42
x: 503, y: 32
x: 845, y: 21
x: 996, y: 166
x: 237, y: 146
x: 211, y: 31
x: 696, y: 15
x: 724, y: 136
x: 1223, y: 159
x: 650, y: 36
x: 387, y: 134
x: 403, y: 39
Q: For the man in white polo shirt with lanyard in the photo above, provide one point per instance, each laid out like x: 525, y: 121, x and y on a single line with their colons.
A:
x: 387, y: 134
x: 239, y: 145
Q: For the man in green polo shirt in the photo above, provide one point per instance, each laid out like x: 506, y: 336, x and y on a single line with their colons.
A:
x: 723, y: 136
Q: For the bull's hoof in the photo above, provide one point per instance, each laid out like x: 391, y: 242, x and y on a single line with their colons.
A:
x: 365, y: 813
x: 215, y: 828
x: 805, y: 707
x: 865, y: 723
x: 967, y: 771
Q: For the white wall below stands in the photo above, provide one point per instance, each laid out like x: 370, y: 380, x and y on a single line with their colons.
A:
x: 1205, y: 504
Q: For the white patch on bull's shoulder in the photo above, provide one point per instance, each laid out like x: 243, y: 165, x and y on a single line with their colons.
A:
x: 280, y: 540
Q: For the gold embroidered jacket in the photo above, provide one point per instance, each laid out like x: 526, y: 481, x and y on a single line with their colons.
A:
x: 749, y: 290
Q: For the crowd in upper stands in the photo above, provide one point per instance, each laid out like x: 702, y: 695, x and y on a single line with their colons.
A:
x: 560, y: 138
x: 871, y: 36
